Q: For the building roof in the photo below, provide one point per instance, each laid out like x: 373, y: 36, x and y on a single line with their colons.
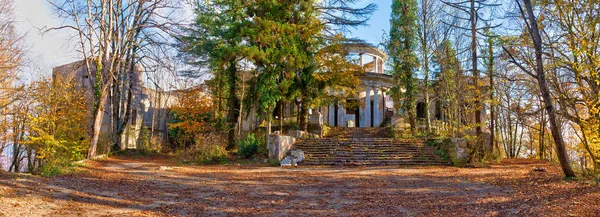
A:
x: 364, y: 48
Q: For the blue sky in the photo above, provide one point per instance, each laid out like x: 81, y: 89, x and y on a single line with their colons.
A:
x: 58, y: 47
x: 378, y: 24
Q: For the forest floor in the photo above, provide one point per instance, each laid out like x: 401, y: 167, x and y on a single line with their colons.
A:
x: 126, y: 186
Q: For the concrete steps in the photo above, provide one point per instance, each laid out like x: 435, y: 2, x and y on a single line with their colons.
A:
x: 367, y: 147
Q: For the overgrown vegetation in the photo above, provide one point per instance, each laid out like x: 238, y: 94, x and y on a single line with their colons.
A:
x: 248, y: 147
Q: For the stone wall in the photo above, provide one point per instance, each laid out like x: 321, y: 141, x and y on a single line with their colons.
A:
x: 299, y: 134
x: 456, y: 150
x: 279, y: 145
x: 315, y: 123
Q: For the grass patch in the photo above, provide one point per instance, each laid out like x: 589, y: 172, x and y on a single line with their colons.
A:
x: 49, y: 170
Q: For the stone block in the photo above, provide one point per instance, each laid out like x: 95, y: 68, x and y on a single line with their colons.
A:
x: 299, y: 134
x: 296, y: 156
x: 279, y: 145
x: 460, y: 148
x: 315, y: 119
x: 315, y: 124
x: 351, y: 123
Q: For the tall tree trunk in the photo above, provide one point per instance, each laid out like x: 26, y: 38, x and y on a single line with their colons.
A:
x: 425, y: 49
x: 542, y: 134
x: 268, y: 130
x: 412, y: 118
x: 233, y: 102
x: 479, y: 144
x: 492, y: 101
x: 240, y: 119
x: 97, y: 123
x: 281, y: 116
x: 303, y: 116
x: 561, y: 152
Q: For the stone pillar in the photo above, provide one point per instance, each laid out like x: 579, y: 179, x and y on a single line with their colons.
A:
x: 361, y: 60
x: 376, y: 112
x: 341, y: 113
x: 368, y: 106
x: 331, y: 114
x: 361, y: 112
x: 376, y: 64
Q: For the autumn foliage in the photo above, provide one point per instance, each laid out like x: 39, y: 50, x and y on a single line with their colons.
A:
x: 192, y: 117
x: 57, y: 124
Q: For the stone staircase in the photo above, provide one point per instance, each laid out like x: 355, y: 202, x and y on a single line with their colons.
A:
x: 366, y: 146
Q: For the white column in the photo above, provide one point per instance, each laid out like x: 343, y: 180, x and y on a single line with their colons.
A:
x: 361, y: 59
x: 362, y: 111
x: 368, y: 107
x: 376, y: 64
x: 341, y: 112
x: 331, y: 114
x: 377, y: 114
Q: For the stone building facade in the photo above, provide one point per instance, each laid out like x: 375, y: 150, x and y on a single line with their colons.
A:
x: 149, y: 107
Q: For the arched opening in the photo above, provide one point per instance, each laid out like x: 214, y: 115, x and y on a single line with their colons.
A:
x: 420, y: 110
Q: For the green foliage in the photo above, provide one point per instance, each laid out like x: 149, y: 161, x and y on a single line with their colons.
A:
x: 209, y: 149
x: 97, y: 83
x: 248, y: 147
x: 52, y: 170
x: 210, y: 154
x: 294, y: 126
x: 401, y: 48
x: 147, y: 142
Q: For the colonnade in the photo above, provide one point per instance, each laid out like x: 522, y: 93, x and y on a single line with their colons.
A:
x: 365, y: 110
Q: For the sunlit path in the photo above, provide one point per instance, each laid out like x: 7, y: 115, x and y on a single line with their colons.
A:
x: 154, y: 187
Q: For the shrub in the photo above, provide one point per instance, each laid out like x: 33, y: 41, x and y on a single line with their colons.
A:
x: 51, y: 170
x: 191, y: 116
x: 58, y: 132
x: 294, y: 126
x: 149, y: 142
x: 248, y: 146
x: 209, y: 148
x: 207, y: 153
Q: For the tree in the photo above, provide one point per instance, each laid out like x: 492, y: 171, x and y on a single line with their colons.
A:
x: 324, y: 43
x: 57, y: 127
x: 489, y: 63
x: 191, y: 117
x: 276, y: 36
x: 571, y: 33
x: 112, y: 38
x: 431, y: 35
x: 401, y: 49
x: 215, y: 39
x: 450, y: 79
x: 540, y: 75
x: 11, y: 54
x: 473, y: 9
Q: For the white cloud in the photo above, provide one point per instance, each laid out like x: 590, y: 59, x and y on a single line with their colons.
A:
x: 45, y: 49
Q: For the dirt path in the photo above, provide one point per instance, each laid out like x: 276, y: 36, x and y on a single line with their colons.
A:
x: 154, y: 187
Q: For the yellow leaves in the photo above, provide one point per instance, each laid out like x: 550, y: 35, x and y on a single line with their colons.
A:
x: 335, y: 68
x: 58, y: 121
x: 192, y: 114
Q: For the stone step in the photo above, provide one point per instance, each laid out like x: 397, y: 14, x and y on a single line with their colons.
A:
x: 374, y: 150
x: 367, y: 146
x: 370, y: 154
x: 362, y: 142
x: 374, y: 159
x: 375, y: 163
x: 364, y: 146
x: 380, y: 162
